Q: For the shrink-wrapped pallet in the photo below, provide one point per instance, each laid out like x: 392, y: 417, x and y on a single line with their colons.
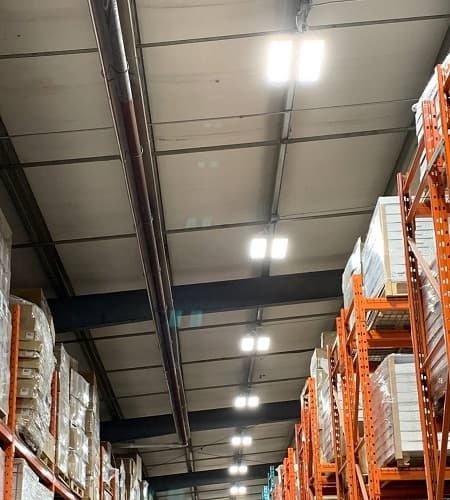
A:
x: 26, y: 485
x: 92, y: 429
x: 63, y: 413
x: 36, y: 364
x: 434, y: 330
x: 5, y: 317
x: 397, y: 428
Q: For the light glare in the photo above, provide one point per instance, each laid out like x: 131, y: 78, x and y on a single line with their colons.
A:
x: 247, y: 344
x: 279, y: 248
x: 242, y: 490
x: 252, y: 401
x: 258, y: 247
x: 262, y: 344
x: 234, y: 490
x: 243, y: 469
x: 247, y: 440
x: 236, y: 441
x: 280, y: 60
x: 311, y: 55
x: 233, y: 469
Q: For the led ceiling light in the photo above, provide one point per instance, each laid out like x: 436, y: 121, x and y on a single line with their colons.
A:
x: 279, y: 61
x: 258, y: 247
x: 279, y: 248
x: 237, y: 469
x: 241, y: 441
x: 242, y: 401
x: 242, y: 490
x: 310, y: 61
x: 234, y: 490
x: 262, y: 343
x: 247, y: 344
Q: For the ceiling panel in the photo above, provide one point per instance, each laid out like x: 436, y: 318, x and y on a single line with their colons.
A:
x: 142, y: 406
x: 319, y: 244
x: 353, y: 118
x: 137, y: 382
x: 304, y: 192
x: 279, y: 391
x: 66, y: 145
x: 167, y: 469
x: 281, y: 366
x: 44, y: 25
x: 207, y: 80
x: 369, y: 10
x: 19, y: 234
x: 218, y: 187
x: 198, y: 319
x: 26, y: 271
x: 87, y: 199
x: 305, y: 309
x: 159, y: 19
x: 213, y: 342
x: 53, y: 93
x: 404, y: 51
x: 129, y: 352
x: 217, y: 132
x: 139, y: 328
x: 103, y: 266
x: 210, y: 374
x: 212, y: 255
x: 152, y: 458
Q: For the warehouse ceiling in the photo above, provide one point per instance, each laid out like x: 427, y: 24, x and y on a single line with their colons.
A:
x: 235, y: 156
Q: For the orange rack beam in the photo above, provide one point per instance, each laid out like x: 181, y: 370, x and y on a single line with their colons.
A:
x: 425, y: 194
x: 349, y: 361
x: 12, y: 445
x: 318, y: 478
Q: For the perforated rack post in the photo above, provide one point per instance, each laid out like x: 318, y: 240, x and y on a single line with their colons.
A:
x: 423, y: 194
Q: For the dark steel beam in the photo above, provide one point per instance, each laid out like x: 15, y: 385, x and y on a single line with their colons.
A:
x: 131, y: 429
x: 91, y: 311
x: 205, y: 477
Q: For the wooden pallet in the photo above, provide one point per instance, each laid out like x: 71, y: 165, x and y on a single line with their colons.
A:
x: 46, y: 461
x: 64, y: 478
x: 3, y: 414
x: 77, y: 489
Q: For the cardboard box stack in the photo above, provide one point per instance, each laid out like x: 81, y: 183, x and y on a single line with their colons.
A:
x: 353, y: 266
x: 396, y: 410
x: 131, y: 484
x: 5, y: 317
x: 93, y: 434
x: 63, y: 411
x: 26, y: 484
x: 35, y: 372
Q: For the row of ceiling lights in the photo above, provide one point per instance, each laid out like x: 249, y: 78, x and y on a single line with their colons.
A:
x: 279, y: 70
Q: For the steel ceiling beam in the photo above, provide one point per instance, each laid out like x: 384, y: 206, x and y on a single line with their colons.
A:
x: 96, y: 310
x: 205, y: 477
x: 117, y: 431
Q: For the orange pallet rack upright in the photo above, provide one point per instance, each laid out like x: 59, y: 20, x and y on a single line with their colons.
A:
x: 355, y: 365
x: 318, y: 477
x: 288, y: 476
x: 423, y: 194
x: 13, y: 446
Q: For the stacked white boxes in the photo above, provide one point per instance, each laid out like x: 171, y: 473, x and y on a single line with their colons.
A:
x: 396, y: 410
x: 78, y: 439
x: 5, y: 317
x: 35, y: 373
x: 26, y: 484
x: 353, y: 266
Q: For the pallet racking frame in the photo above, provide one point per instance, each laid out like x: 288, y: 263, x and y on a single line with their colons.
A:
x: 12, y: 445
x: 425, y: 195
x: 349, y: 359
x: 288, y: 476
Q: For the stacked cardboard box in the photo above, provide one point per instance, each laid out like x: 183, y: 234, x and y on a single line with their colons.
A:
x: 5, y: 317
x: 131, y: 484
x: 26, y: 484
x: 396, y: 410
x: 35, y: 372
x: 353, y: 266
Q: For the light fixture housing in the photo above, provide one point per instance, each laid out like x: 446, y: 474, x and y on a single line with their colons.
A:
x: 242, y: 490
x: 310, y: 60
x: 236, y: 441
x: 242, y: 401
x: 278, y: 248
x: 243, y: 440
x: 235, y: 469
x: 246, y: 441
x: 279, y: 61
x: 252, y: 401
x: 234, y: 490
x: 247, y: 343
x: 258, y: 248
x: 262, y: 343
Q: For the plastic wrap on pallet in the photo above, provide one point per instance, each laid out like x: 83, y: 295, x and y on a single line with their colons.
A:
x: 383, y: 258
x: 77, y: 468
x: 26, y: 484
x: 35, y: 358
x: 63, y: 413
x: 353, y: 266
x: 397, y: 428
x: 79, y: 388
x: 325, y: 419
x: 434, y: 329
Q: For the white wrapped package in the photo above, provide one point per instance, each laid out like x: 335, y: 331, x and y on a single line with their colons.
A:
x: 383, y: 257
x: 63, y: 422
x: 34, y: 396
x: 26, y: 483
x: 353, y: 266
x: 398, y: 433
x: 324, y: 419
x: 77, y: 468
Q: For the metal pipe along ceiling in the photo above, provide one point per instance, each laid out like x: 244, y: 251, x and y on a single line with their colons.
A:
x: 113, y: 57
